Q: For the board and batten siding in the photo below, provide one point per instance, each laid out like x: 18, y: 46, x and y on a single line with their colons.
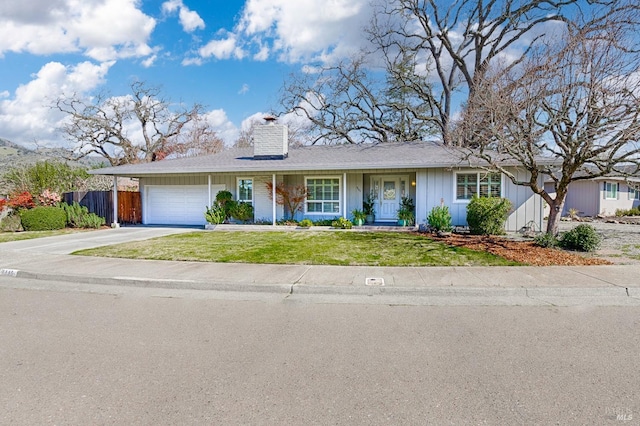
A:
x: 440, y: 188
x: 582, y: 196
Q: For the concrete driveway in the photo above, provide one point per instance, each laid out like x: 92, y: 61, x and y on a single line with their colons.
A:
x: 68, y: 243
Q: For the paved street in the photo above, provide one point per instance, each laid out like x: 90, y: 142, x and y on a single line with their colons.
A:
x: 133, y: 358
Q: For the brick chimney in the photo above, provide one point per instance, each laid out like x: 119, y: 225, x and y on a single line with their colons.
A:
x: 270, y: 141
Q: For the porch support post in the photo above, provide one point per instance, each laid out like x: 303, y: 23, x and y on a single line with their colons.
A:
x: 209, y: 189
x: 344, y: 195
x: 422, y: 198
x: 115, y: 223
x: 273, y: 197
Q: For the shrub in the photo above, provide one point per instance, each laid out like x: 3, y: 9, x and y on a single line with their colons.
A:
x: 486, y: 215
x: 78, y: 216
x: 342, y: 223
x: 21, y: 201
x: 3, y: 204
x: 242, y: 211
x: 324, y: 222
x: 224, y: 199
x: 215, y: 214
x: 546, y: 240
x: 439, y: 219
x: 43, y: 218
x: 305, y: 223
x: 635, y: 211
x: 49, y: 198
x: 582, y: 238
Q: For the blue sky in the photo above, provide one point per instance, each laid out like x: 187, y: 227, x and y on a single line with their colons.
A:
x: 230, y: 56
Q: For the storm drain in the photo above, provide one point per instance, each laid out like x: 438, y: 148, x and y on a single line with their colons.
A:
x: 374, y: 282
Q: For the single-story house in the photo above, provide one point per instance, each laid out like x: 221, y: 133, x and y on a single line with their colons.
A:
x: 338, y: 177
x: 600, y: 196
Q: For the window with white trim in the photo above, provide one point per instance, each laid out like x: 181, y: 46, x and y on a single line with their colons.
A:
x: 323, y: 195
x: 245, y: 190
x: 611, y: 190
x: 634, y: 193
x: 480, y: 183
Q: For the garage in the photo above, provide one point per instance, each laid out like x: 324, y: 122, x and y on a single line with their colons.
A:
x: 175, y: 205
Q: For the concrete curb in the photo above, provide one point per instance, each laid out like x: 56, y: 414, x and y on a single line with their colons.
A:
x: 335, y: 290
x: 153, y: 283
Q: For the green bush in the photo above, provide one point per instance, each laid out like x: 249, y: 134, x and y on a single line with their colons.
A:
x: 225, y: 200
x: 43, y: 219
x: 439, y: 219
x: 635, y: 211
x: 581, y: 238
x: 486, y: 215
x: 242, y: 211
x: 342, y: 223
x: 324, y: 222
x: 78, y: 216
x: 215, y: 214
x: 546, y: 240
x: 305, y: 223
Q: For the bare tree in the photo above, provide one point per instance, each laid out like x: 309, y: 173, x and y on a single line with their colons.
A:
x: 575, y: 99
x: 126, y: 129
x: 196, y: 138
x: 432, y: 53
x: 351, y: 103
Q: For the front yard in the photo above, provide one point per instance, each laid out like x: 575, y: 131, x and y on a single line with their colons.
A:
x: 306, y: 247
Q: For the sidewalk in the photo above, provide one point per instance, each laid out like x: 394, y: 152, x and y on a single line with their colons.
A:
x: 29, y: 260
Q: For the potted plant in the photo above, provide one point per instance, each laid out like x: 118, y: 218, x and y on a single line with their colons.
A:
x: 406, y: 212
x: 359, y: 217
x: 368, y: 207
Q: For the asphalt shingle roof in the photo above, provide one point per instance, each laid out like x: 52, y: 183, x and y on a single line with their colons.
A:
x: 408, y: 155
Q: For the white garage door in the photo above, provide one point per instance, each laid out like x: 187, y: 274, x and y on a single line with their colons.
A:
x: 175, y: 205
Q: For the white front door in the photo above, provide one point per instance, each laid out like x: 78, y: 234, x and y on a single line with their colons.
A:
x: 389, y: 191
x: 389, y: 198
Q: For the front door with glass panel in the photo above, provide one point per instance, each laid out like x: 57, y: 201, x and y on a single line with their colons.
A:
x: 389, y: 199
x: 389, y: 190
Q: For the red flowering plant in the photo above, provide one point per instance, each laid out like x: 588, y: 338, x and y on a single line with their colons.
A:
x: 23, y: 200
x: 49, y: 198
x: 3, y: 204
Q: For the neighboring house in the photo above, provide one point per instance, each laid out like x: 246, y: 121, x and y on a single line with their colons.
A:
x: 338, y: 178
x: 600, y: 196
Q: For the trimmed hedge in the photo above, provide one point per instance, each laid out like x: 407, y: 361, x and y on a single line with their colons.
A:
x: 487, y: 215
x: 43, y: 219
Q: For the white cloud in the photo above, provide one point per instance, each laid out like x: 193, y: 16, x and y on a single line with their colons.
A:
x: 28, y: 116
x: 101, y: 29
x: 189, y: 19
x: 222, y: 49
x: 244, y: 89
x: 227, y: 131
x: 295, y: 31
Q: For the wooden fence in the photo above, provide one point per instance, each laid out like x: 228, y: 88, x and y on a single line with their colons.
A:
x: 101, y: 203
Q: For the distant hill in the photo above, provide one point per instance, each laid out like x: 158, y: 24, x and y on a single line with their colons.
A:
x: 12, y: 154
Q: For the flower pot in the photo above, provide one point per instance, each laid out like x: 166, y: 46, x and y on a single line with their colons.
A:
x: 358, y: 222
x: 370, y: 218
x: 403, y: 222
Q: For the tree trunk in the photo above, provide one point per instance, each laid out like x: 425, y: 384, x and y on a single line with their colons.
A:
x: 555, y: 213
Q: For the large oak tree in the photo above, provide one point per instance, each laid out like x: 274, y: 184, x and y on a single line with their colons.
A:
x: 140, y: 127
x: 575, y: 98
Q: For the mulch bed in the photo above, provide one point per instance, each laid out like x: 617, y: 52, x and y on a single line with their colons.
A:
x: 519, y: 251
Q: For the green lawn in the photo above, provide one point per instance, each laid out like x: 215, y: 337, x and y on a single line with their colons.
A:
x: 306, y: 247
x: 28, y: 235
